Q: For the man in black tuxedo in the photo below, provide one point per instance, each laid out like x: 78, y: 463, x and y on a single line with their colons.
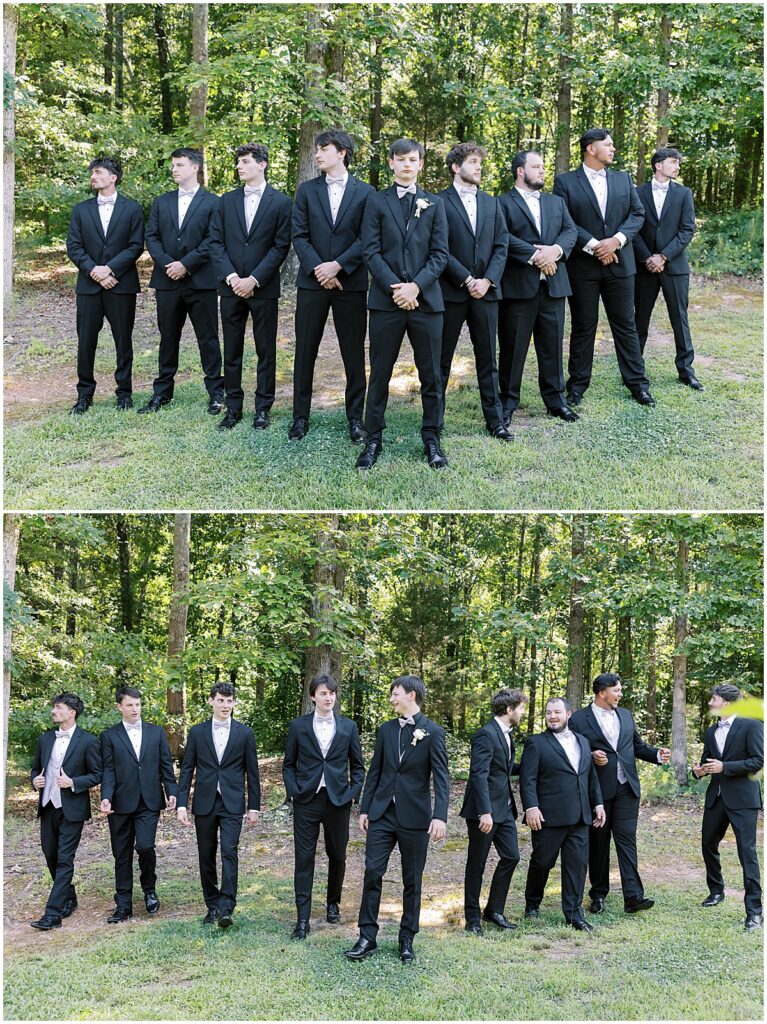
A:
x: 105, y: 238
x: 534, y: 286
x: 323, y: 772
x: 184, y: 279
x: 67, y: 765
x: 615, y: 746
x: 396, y: 810
x: 249, y: 242
x: 221, y: 754
x: 327, y: 225
x: 477, y: 242
x: 607, y: 215
x: 490, y: 811
x: 733, y: 752
x: 404, y: 239
x: 661, y: 250
x: 137, y: 765
x: 561, y: 798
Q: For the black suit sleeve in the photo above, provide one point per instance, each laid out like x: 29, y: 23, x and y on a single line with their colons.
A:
x: 708, y: 752
x: 438, y: 250
x: 481, y: 756
x: 187, y: 768
x: 372, y: 246
x: 528, y: 772
x: 290, y: 761
x: 439, y: 771
x: 279, y: 248
x: 641, y: 249
x: 635, y: 219
x: 374, y: 774
x: 562, y: 189
x: 351, y: 258
x: 37, y: 765
x: 92, y: 775
x: 126, y: 257
x: 568, y: 236
x: 308, y: 256
x: 251, y: 769
x: 76, y: 244
x: 595, y: 790
x: 356, y: 764
x: 497, y: 265
x: 643, y: 750
x: 218, y: 254
x: 167, y: 773
x: 754, y: 759
x: 108, y: 768
x: 153, y: 240
x: 196, y: 257
x: 683, y: 237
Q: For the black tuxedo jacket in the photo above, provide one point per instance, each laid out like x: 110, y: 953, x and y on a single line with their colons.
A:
x: 547, y: 781
x: 317, y: 239
x: 489, y: 787
x: 520, y: 280
x: 88, y: 247
x: 407, y: 781
x: 257, y: 253
x: 167, y: 242
x: 671, y: 234
x: 470, y: 255
x: 630, y: 747
x: 125, y: 779
x: 743, y: 755
x: 624, y: 213
x: 239, y: 762
x: 394, y: 253
x: 304, y: 764
x: 82, y: 764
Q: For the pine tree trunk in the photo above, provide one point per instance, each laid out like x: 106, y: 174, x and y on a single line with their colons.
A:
x: 109, y: 48
x: 376, y: 122
x: 679, y: 702
x: 661, y: 137
x: 652, y: 683
x: 10, y: 36
x: 328, y: 580
x: 126, y: 584
x: 175, y: 697
x: 575, y: 626
x: 564, y: 92
x: 119, y: 54
x: 198, y: 100
x: 163, y: 63
x: 11, y: 534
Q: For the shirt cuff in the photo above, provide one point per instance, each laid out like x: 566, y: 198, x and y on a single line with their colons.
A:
x: 589, y: 246
x: 561, y: 253
x: 229, y: 278
x: 621, y: 238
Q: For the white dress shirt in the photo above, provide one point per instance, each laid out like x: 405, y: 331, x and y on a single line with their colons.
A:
x: 252, y: 196
x: 571, y: 747
x: 723, y: 731
x: 609, y: 723
x: 598, y: 182
x: 134, y: 735
x: 506, y: 730
x: 659, y: 193
x: 106, y: 206
x: 324, y: 730
x: 184, y: 202
x: 336, y: 193
x: 51, y: 792
x: 532, y: 200
x: 468, y: 197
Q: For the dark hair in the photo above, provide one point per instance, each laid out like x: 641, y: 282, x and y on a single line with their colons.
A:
x: 259, y: 152
x: 411, y: 684
x: 461, y: 151
x: 322, y: 680
x: 340, y: 139
x: 126, y: 691
x: 110, y: 164
x: 225, y: 689
x: 71, y: 700
x: 520, y: 159
x: 727, y: 691
x: 604, y: 681
x: 593, y: 135
x: 507, y: 698
x: 401, y: 147
x: 194, y: 156
x: 554, y: 700
x: 663, y: 154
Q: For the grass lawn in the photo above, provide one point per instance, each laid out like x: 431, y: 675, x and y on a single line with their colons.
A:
x: 676, y: 962
x: 693, y: 451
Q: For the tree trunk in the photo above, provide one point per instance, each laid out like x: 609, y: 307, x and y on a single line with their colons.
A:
x: 109, y: 47
x: 679, y: 704
x: 535, y: 572
x: 652, y: 683
x: 175, y: 698
x: 641, y: 147
x: 564, y: 92
x: 328, y: 584
x: 619, y: 105
x: 315, y: 52
x: 163, y: 63
x: 10, y: 36
x: 70, y: 626
x: 198, y: 100
x: 376, y: 121
x: 575, y: 627
x: 625, y: 659
x: 11, y: 534
x: 119, y: 54
x: 661, y: 136
x: 126, y: 585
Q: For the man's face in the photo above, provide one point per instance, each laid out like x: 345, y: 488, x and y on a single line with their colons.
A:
x: 533, y: 171
x: 222, y: 706
x: 401, y: 700
x: 670, y: 167
x: 102, y: 178
x: 130, y: 709
x: 556, y: 716
x: 603, y: 152
x: 62, y: 714
x: 249, y: 169
x: 182, y: 169
x: 406, y: 166
x: 324, y: 699
x: 611, y: 695
x: 515, y: 716
x: 718, y: 702
x: 471, y: 169
x: 328, y: 157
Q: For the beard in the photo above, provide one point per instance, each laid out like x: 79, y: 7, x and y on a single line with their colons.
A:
x: 558, y: 728
x: 536, y: 186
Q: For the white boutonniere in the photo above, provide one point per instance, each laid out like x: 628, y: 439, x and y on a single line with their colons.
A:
x: 421, y: 205
x: 419, y: 734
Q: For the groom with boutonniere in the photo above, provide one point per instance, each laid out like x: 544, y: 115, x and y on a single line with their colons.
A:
x: 396, y: 810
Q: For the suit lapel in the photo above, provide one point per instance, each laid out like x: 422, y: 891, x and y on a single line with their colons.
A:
x: 393, y: 739
x: 120, y: 204
x: 322, y: 192
x: 93, y: 206
x: 346, y: 202
x: 72, y: 745
x: 645, y: 194
x: 558, y: 746
x: 207, y: 732
x: 591, y: 195
x: 234, y: 728
x: 455, y: 199
x: 309, y: 726
x: 49, y: 740
x: 414, y: 221
x: 266, y: 198
x: 517, y: 198
x: 671, y: 196
x: 126, y: 739
x: 194, y: 206
x: 396, y: 209
x: 238, y: 198
x: 172, y: 201
x: 337, y: 734
x: 410, y: 747
x: 501, y: 739
x: 734, y: 725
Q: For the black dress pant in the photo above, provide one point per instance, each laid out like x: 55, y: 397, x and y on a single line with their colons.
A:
x: 383, y: 835
x: 234, y: 318
x: 120, y: 312
x: 126, y: 831
x: 503, y: 836
x: 573, y: 841
x: 743, y: 821
x: 543, y: 319
x: 387, y: 330
x: 59, y: 839
x: 350, y: 322
x: 173, y: 307
x: 622, y: 815
x: 209, y: 827
x: 482, y: 320
x: 676, y: 292
x: 617, y: 294
x: 307, y: 818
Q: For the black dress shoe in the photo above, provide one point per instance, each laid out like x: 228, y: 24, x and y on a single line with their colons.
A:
x: 692, y: 382
x: 500, y: 432
x: 356, y: 432
x: 597, y: 905
x: 499, y: 920
x: 216, y: 404
x: 643, y: 397
x: 211, y: 917
x: 298, y: 428
x: 124, y: 402
x: 69, y: 907
x: 46, y: 922
x: 475, y: 928
x: 564, y: 413
x: 154, y: 404
x: 713, y: 900
x: 753, y: 921
x: 634, y: 906
x: 333, y: 915
x: 225, y: 919
x: 261, y: 420
x: 531, y: 912
x: 582, y: 926
x: 574, y: 397
x: 406, y: 954
x: 361, y: 949
x: 369, y: 455
x: 151, y: 902
x: 119, y: 915
x: 301, y: 930
x: 232, y: 418
x: 434, y: 455
x: 81, y: 406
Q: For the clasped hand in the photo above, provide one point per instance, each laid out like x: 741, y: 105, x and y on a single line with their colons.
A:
x: 405, y: 294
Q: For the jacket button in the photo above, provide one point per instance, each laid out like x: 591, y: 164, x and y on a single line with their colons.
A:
x: 407, y: 252
x: 178, y: 239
